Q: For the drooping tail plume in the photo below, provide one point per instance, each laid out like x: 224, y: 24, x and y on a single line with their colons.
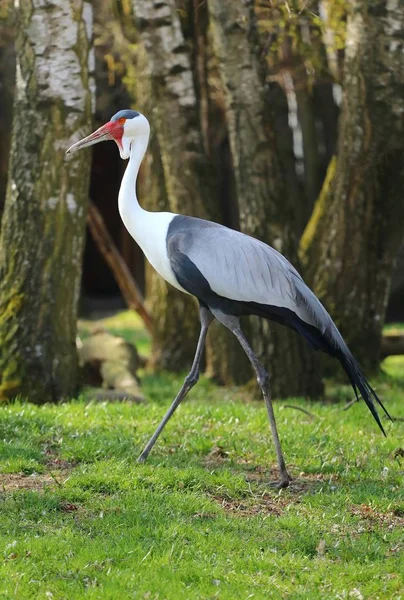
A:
x: 323, y: 335
x: 362, y: 387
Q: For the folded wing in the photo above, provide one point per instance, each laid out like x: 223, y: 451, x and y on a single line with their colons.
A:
x: 239, y: 267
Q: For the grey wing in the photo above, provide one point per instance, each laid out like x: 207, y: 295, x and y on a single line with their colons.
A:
x: 241, y: 268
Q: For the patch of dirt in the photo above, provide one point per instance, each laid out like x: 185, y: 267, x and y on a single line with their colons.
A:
x: 266, y: 504
x: 267, y: 476
x: 307, y: 482
x: 60, y: 464
x: 10, y: 482
x: 59, y: 472
x: 275, y: 502
x: 302, y: 483
x: 216, y: 456
x: 53, y: 461
x: 391, y: 519
x: 68, y: 507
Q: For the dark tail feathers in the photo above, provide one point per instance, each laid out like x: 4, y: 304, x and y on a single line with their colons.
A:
x: 362, y: 387
x: 323, y: 335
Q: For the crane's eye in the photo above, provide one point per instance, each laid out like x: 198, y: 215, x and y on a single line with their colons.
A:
x: 122, y: 120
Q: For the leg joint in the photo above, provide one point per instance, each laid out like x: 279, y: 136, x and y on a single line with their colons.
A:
x: 192, y: 378
x: 263, y: 378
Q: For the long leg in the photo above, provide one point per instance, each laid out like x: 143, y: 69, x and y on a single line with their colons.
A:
x: 233, y: 323
x: 190, y: 380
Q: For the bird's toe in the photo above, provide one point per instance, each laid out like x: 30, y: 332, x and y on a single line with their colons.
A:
x: 283, y: 483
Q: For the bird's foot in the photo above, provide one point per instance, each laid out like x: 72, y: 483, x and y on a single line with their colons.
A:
x: 282, y: 484
x: 142, y: 457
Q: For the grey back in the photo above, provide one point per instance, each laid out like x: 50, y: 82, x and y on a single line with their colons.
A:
x: 239, y: 267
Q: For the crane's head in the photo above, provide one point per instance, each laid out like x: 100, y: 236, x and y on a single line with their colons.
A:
x: 124, y: 127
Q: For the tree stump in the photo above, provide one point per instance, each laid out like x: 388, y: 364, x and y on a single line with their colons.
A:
x: 108, y: 361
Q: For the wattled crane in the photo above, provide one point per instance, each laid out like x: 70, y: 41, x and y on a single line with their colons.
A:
x: 231, y: 274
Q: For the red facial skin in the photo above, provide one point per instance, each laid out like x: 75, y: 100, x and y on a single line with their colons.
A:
x: 115, y: 130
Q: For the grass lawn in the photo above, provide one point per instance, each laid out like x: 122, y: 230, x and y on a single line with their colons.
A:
x: 80, y: 519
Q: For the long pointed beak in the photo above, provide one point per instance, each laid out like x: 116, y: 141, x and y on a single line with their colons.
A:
x: 100, y: 135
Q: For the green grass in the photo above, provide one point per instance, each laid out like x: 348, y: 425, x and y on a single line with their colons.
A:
x: 79, y: 518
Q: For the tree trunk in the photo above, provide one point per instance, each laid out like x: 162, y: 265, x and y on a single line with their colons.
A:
x: 175, y: 317
x: 182, y: 178
x: 395, y: 308
x: 354, y: 234
x: 265, y: 210
x: 7, y: 77
x: 226, y: 362
x: 44, y: 217
x: 174, y: 314
x: 306, y: 116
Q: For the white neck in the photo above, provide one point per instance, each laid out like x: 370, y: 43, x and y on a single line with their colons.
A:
x: 128, y: 204
x: 148, y: 229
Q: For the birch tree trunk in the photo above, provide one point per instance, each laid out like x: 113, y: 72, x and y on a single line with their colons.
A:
x: 7, y: 76
x: 175, y: 322
x: 184, y: 177
x: 266, y: 211
x: 44, y: 217
x: 352, y: 239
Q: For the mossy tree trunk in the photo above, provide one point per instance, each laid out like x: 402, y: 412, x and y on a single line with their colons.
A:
x: 181, y: 177
x: 352, y: 239
x: 42, y: 230
x: 265, y: 209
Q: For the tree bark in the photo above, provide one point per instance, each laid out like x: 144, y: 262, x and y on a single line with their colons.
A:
x: 7, y: 77
x: 175, y: 321
x: 174, y: 315
x: 264, y: 206
x: 306, y: 116
x: 352, y: 239
x: 226, y: 362
x: 187, y: 171
x: 182, y: 178
x: 44, y: 217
